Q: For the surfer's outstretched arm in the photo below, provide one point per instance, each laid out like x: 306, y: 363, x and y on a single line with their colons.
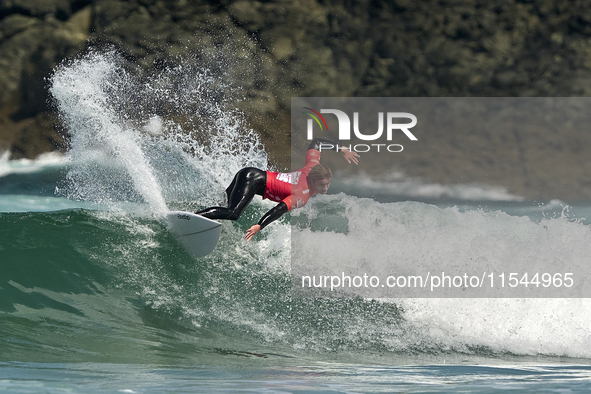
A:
x: 269, y: 217
x: 321, y: 144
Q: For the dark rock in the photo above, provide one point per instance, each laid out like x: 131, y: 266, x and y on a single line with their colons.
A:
x: 61, y: 9
x: 14, y: 24
x: 510, y: 78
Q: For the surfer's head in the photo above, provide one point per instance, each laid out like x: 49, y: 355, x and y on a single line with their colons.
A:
x: 319, y: 178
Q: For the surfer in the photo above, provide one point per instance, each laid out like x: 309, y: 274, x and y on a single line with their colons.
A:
x: 291, y: 190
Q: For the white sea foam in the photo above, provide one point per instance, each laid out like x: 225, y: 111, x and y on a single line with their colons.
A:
x: 26, y: 166
x: 397, y: 184
x: 31, y: 203
x: 391, y: 238
x: 556, y: 327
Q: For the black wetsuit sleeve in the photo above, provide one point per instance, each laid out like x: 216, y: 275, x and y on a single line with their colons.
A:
x: 316, y: 142
x: 273, y: 214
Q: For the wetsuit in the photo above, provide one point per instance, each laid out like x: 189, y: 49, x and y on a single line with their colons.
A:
x: 291, y: 190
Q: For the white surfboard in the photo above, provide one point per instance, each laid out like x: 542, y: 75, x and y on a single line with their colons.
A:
x: 197, y: 234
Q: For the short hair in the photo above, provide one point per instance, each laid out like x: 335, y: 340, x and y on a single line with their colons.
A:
x: 319, y: 172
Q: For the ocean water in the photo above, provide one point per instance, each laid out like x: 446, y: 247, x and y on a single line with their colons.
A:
x: 97, y: 296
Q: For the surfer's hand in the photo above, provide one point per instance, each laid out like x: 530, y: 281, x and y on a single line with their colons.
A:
x: 350, y: 156
x: 252, y: 231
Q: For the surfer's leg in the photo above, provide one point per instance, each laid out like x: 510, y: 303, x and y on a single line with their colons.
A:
x: 247, y: 182
x: 231, y: 187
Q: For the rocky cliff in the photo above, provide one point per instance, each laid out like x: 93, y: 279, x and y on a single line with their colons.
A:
x: 328, y: 48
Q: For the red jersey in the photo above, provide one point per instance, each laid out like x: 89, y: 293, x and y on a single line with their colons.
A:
x: 292, y: 188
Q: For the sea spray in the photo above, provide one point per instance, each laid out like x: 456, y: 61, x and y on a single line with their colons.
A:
x: 160, y: 139
x: 84, y: 92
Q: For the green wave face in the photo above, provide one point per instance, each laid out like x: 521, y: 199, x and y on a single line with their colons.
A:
x: 95, y: 286
x: 99, y: 286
